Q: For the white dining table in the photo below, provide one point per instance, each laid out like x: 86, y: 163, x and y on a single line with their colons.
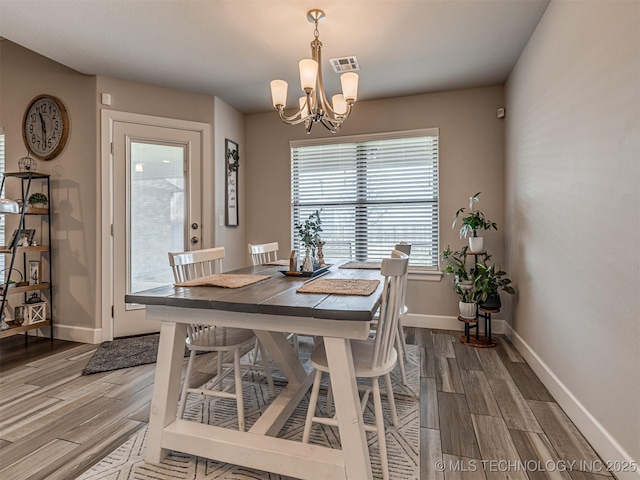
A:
x: 270, y: 308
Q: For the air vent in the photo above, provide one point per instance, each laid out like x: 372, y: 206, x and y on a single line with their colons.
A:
x: 344, y: 64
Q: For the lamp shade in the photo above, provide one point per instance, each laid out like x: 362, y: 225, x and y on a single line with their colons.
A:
x: 304, y: 111
x: 308, y: 74
x: 279, y: 92
x: 9, y: 206
x: 339, y: 104
x: 349, y: 83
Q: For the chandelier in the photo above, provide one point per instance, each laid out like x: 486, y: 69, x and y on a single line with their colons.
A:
x: 314, y: 106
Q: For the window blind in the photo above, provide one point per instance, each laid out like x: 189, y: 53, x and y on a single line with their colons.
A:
x: 373, y: 191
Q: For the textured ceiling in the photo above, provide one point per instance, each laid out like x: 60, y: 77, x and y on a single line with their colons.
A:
x: 233, y: 48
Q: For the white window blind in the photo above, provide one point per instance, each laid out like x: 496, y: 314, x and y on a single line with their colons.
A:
x: 373, y: 191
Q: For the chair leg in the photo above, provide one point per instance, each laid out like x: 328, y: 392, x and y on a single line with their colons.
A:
x: 382, y: 443
x: 238, y: 382
x: 313, y: 401
x: 254, y: 352
x: 401, y: 358
x: 403, y: 340
x: 220, y: 360
x: 391, y: 399
x: 186, y: 384
x: 267, y: 368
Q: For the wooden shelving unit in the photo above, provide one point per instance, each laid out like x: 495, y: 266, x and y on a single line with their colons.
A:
x: 19, y: 256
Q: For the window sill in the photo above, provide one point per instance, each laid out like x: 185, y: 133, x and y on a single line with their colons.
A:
x: 425, y: 275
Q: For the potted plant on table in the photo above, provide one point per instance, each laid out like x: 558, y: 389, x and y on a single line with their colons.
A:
x: 488, y: 283
x: 309, y: 232
x: 473, y: 221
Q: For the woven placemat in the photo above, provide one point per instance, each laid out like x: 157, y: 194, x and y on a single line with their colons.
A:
x: 340, y: 286
x: 225, y: 280
x: 374, y: 265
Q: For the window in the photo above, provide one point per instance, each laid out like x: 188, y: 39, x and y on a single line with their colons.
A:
x: 373, y: 191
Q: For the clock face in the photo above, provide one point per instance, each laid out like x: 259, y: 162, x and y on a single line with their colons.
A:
x: 45, y: 127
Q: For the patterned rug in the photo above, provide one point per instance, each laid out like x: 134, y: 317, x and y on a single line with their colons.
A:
x: 127, y: 461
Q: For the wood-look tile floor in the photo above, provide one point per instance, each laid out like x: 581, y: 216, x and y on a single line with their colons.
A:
x: 483, y: 412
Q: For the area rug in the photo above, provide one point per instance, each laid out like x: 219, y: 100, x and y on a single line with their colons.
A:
x: 127, y: 461
x: 124, y: 353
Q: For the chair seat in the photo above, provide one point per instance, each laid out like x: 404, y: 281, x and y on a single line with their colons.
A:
x: 220, y: 339
x: 362, y: 351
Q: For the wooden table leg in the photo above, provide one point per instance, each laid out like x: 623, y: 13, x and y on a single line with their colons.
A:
x: 166, y: 387
x: 347, y: 402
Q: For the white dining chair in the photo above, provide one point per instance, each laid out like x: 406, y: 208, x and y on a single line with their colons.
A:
x: 265, y: 253
x: 401, y: 344
x: 372, y: 358
x: 223, y: 340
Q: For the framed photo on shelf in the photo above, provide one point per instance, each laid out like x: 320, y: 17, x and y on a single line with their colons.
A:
x: 35, y: 272
x: 25, y: 238
x: 231, y: 185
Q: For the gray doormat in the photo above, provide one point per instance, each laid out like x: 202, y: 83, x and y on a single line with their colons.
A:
x: 124, y: 353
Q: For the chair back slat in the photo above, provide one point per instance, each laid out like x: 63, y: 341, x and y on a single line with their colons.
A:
x: 196, y: 264
x: 394, y: 270
x: 263, y: 253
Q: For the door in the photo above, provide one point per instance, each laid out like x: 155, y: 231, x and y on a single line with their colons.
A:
x: 156, y: 209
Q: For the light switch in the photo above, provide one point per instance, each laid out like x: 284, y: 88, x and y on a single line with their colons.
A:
x: 106, y: 99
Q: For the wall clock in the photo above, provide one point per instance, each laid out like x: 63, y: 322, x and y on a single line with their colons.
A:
x: 45, y: 127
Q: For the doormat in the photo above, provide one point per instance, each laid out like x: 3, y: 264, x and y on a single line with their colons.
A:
x: 124, y: 353
x: 127, y: 461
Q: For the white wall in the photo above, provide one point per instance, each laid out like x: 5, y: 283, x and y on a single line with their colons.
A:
x: 572, y: 203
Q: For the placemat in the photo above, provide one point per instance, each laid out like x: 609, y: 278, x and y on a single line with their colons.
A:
x: 369, y: 265
x: 340, y: 286
x: 279, y: 263
x: 225, y: 280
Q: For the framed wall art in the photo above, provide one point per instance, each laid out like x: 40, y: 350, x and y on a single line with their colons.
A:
x: 232, y: 162
x: 25, y: 239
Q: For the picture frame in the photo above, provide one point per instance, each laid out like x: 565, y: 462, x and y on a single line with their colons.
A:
x: 19, y: 316
x: 25, y: 239
x: 232, y: 163
x: 35, y: 272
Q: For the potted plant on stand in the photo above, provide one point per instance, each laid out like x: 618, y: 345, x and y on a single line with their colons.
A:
x: 467, y: 303
x: 472, y: 221
x: 456, y: 264
x: 488, y: 283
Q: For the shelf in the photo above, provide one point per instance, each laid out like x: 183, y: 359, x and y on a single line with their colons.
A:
x: 26, y: 175
x: 23, y: 328
x: 36, y: 211
x: 28, y: 288
x: 37, y: 248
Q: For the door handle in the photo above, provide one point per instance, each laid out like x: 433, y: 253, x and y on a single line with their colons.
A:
x: 194, y: 240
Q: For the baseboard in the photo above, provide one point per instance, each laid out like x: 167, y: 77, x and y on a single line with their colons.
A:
x: 441, y: 322
x: 601, y: 440
x: 78, y: 334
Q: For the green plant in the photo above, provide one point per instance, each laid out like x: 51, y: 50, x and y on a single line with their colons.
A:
x: 309, y: 231
x: 473, y: 220
x: 456, y: 263
x: 467, y: 295
x: 490, y: 281
x: 36, y: 198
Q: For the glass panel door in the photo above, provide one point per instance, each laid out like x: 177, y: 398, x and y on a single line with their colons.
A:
x: 156, y: 212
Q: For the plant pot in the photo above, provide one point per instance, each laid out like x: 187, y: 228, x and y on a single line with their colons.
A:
x: 492, y: 303
x: 467, y: 310
x: 476, y: 244
x: 465, y: 285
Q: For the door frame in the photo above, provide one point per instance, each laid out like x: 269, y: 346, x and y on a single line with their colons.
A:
x: 105, y: 208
